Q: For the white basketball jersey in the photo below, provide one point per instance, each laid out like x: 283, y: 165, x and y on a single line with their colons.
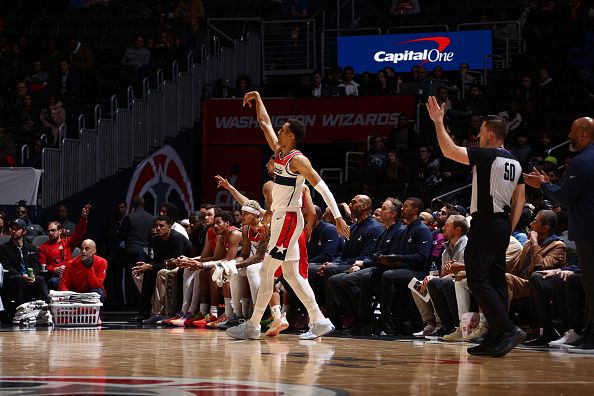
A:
x: 286, y: 191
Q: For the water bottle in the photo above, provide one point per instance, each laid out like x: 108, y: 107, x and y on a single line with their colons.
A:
x: 434, y: 271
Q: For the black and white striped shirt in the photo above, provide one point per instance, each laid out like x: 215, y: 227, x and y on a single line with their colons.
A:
x: 495, y: 175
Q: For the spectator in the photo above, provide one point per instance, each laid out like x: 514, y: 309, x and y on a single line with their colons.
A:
x: 346, y: 288
x: 348, y: 86
x: 62, y: 217
x: 319, y: 88
x: 384, y: 85
x: 471, y: 139
x: 28, y: 115
x: 564, y: 287
x: 323, y: 242
x: 409, y: 260
x: 403, y: 137
x: 525, y: 94
x: 474, y: 102
x: 522, y: 150
x: 57, y: 250
x: 135, y: 231
x: 38, y: 80
x: 167, y: 244
x: 67, y: 81
x: 85, y: 273
x: 53, y: 116
x: 34, y: 159
x: 17, y: 256
x: 4, y: 228
x: 375, y: 161
x: 112, y: 249
x: 170, y: 210
x: 21, y: 212
x: 442, y: 97
x: 441, y: 289
x: 512, y: 117
x: 138, y: 56
x: 543, y: 251
x: 243, y: 85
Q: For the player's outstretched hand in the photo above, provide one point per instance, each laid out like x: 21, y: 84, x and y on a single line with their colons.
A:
x: 342, y: 228
x: 223, y: 182
x: 253, y: 95
x: 436, y: 112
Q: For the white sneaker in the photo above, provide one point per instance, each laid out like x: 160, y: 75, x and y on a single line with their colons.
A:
x: 318, y: 329
x: 569, y: 337
x: 244, y: 331
x: 277, y: 326
x: 428, y: 329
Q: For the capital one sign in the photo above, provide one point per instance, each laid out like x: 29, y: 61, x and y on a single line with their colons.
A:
x: 403, y: 51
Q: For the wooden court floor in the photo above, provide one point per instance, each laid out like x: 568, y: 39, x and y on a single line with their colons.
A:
x: 207, y: 362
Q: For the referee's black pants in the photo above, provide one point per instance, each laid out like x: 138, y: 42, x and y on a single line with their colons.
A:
x: 484, y: 259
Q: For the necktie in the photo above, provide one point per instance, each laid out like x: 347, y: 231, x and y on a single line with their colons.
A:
x: 23, y: 264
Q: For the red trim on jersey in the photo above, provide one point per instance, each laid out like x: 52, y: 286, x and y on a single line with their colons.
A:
x: 284, y: 160
x: 288, y: 229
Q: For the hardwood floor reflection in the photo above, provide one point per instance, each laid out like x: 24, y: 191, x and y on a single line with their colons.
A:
x: 341, y: 365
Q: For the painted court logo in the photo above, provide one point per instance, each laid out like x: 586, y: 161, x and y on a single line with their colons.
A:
x: 155, y: 386
x: 427, y: 55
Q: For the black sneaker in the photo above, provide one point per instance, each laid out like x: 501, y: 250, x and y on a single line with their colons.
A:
x: 509, y: 342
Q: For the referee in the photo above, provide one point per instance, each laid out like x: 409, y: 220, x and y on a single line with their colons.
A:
x: 497, y: 202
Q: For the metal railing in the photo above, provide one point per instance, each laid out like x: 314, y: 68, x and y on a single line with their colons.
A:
x: 116, y: 141
x: 555, y: 148
x: 457, y: 190
x: 351, y: 158
x: 288, y: 47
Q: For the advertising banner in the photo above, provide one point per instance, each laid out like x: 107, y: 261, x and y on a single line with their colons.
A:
x: 403, y: 51
x: 327, y: 120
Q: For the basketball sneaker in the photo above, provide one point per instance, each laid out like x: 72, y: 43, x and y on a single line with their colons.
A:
x: 244, y: 331
x: 167, y: 321
x: 318, y: 329
x: 454, y: 336
x: 213, y: 324
x: 569, y: 337
x: 478, y: 332
x: 278, y: 326
x: 202, y: 322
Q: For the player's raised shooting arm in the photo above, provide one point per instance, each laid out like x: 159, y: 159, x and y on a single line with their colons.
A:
x: 263, y: 118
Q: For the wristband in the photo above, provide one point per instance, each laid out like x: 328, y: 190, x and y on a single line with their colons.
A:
x: 209, y: 264
x: 324, y: 191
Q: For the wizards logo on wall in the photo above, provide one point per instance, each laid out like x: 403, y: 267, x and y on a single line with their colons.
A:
x: 162, y: 178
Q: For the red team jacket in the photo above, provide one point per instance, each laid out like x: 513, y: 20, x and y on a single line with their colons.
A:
x: 49, y: 252
x: 78, y: 278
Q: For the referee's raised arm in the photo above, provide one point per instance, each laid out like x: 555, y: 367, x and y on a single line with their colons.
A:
x: 448, y: 147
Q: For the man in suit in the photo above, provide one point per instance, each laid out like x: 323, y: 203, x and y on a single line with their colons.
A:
x: 17, y: 255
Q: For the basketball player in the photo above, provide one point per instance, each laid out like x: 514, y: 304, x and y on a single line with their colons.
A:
x: 291, y: 169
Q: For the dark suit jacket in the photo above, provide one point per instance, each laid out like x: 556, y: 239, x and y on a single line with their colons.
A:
x: 11, y: 258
